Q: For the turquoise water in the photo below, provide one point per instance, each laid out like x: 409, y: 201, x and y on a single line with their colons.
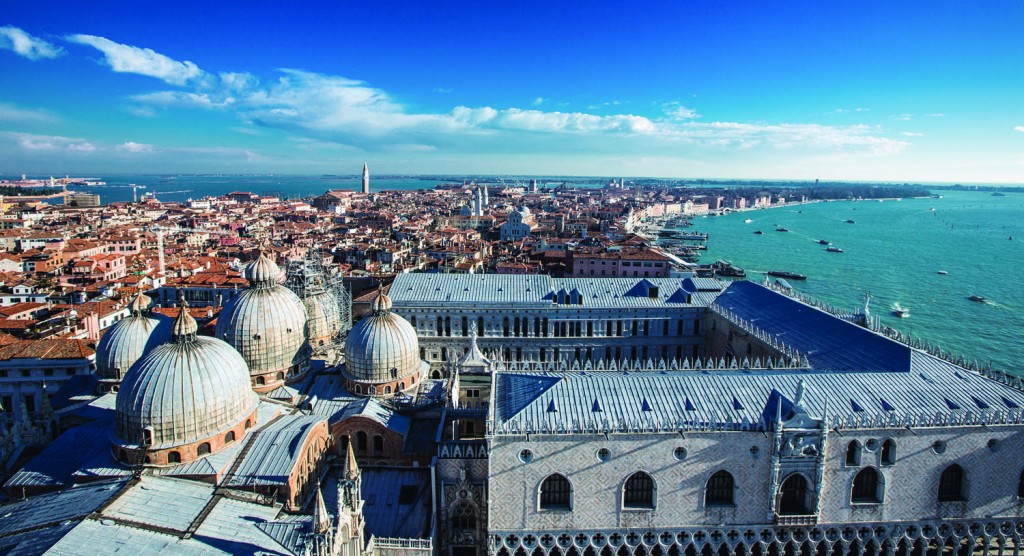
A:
x: 894, y: 250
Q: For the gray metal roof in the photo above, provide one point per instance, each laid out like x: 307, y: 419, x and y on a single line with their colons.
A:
x: 268, y: 326
x: 368, y: 407
x: 56, y: 507
x: 161, y: 501
x: 275, y: 451
x: 536, y: 291
x: 80, y: 452
x: 385, y: 514
x: 579, y: 401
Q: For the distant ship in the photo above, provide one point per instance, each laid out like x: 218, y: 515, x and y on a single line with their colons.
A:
x: 781, y: 229
x: 759, y: 232
x: 977, y: 298
x: 834, y: 250
x: 747, y: 221
x: 850, y: 222
x: 901, y: 312
x: 943, y: 272
x: 824, y: 242
x: 786, y: 274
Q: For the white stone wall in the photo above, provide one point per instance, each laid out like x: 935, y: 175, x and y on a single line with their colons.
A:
x: 597, y: 486
x: 911, y: 484
x: 910, y: 491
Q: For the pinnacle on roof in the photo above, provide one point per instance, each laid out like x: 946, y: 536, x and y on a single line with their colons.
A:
x: 321, y: 519
x: 351, y: 470
x: 139, y: 303
x: 185, y: 327
x: 381, y: 303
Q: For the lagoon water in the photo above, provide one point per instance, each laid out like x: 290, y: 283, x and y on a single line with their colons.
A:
x: 894, y: 250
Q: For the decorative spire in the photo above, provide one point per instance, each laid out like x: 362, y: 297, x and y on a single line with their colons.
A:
x: 351, y: 470
x: 185, y: 327
x: 321, y: 519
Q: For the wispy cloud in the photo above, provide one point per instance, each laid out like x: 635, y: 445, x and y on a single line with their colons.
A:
x: 903, y: 117
x: 443, y: 90
x: 48, y: 143
x: 538, y: 101
x: 123, y: 58
x: 26, y: 45
x: 336, y: 109
x: 1019, y: 128
x: 911, y: 134
x: 935, y: 115
x: 11, y: 114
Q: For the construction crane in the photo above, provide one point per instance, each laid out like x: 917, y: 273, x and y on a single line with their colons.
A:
x: 161, y: 230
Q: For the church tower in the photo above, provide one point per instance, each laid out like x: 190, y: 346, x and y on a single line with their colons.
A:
x: 366, y: 179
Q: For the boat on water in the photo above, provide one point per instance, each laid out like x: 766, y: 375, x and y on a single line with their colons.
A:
x: 781, y: 229
x: 850, y: 222
x: 998, y: 194
x: 900, y: 312
x: 727, y: 269
x: 942, y: 272
x: 977, y: 298
x: 824, y: 242
x: 747, y: 221
x: 759, y: 232
x: 834, y: 250
x: 786, y: 274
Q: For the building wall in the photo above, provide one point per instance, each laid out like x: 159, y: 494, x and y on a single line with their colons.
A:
x: 910, y: 484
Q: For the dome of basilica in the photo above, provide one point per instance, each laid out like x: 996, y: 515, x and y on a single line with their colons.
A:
x: 383, y: 351
x: 189, y: 395
x: 127, y: 340
x: 324, y: 315
x: 267, y: 324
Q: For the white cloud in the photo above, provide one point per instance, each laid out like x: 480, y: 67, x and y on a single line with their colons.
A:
x: 903, y: 117
x: 682, y: 113
x: 911, y: 134
x: 181, y: 98
x: 443, y: 90
x: 538, y: 101
x: 133, y: 147
x: 1019, y: 128
x: 49, y: 143
x: 123, y: 58
x: 935, y: 115
x: 26, y: 45
x: 11, y: 114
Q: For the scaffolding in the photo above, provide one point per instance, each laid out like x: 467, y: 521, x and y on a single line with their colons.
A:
x: 327, y: 302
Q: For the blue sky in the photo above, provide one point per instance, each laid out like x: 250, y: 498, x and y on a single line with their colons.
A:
x: 893, y: 91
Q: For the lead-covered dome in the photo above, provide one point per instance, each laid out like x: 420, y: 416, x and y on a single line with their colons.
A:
x: 267, y: 324
x: 383, y: 351
x: 324, y: 314
x: 127, y: 340
x: 185, y: 398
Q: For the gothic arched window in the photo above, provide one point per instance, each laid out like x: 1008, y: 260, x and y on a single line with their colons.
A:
x: 556, y: 493
x: 378, y: 445
x: 361, y: 442
x: 853, y: 453
x: 889, y: 452
x: 720, y: 490
x: 463, y: 516
x: 866, y: 487
x: 952, y: 484
x: 638, y: 492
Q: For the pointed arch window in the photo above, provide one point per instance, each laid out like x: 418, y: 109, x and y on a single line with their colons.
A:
x: 556, y: 493
x: 867, y: 487
x: 720, y: 490
x: 952, y: 484
x: 853, y: 450
x: 889, y: 452
x: 638, y: 492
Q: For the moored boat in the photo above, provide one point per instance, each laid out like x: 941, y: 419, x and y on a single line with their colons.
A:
x: 977, y: 298
x: 786, y: 274
x: 834, y: 250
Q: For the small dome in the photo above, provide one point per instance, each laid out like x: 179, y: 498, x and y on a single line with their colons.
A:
x: 382, y: 347
x: 129, y: 339
x: 262, y: 272
x: 126, y: 341
x: 187, y: 390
